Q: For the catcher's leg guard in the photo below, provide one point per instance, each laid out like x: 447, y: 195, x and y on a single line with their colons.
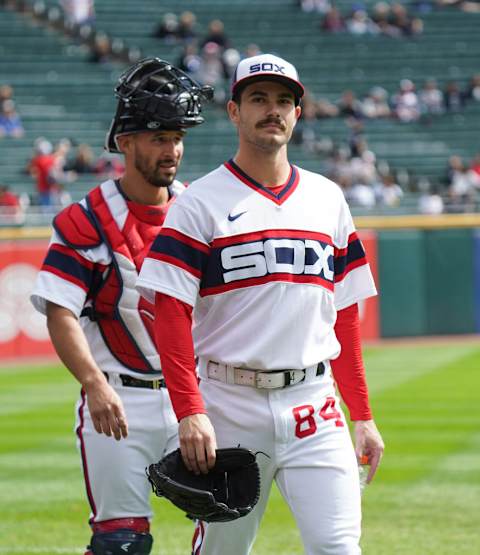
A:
x: 121, y: 536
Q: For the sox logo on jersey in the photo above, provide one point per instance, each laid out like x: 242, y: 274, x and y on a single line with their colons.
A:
x: 276, y: 256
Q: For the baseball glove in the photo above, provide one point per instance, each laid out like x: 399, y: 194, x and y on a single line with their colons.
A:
x: 229, y: 491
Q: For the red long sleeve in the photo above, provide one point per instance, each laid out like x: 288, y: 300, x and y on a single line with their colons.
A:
x: 348, y: 369
x: 173, y: 335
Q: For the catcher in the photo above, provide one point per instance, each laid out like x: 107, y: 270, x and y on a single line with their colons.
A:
x: 101, y: 328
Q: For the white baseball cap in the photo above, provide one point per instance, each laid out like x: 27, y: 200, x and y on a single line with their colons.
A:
x: 267, y: 67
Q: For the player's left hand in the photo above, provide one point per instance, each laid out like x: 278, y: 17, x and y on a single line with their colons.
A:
x: 368, y: 443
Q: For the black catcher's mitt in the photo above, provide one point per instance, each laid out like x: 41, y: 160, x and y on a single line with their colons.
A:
x: 229, y: 491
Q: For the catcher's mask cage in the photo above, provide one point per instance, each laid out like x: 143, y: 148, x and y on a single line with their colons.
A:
x: 154, y: 95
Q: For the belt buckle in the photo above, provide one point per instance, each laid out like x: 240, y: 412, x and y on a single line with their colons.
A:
x: 289, y: 376
x: 156, y: 384
x: 262, y: 380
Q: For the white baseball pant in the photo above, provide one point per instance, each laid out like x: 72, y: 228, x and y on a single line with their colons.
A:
x: 114, y: 471
x: 310, y: 456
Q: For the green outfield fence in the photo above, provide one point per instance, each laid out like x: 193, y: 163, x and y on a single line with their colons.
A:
x: 428, y: 274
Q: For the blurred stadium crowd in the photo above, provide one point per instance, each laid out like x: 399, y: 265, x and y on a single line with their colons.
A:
x: 209, y: 54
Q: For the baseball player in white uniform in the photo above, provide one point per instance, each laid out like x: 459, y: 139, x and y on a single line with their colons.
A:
x: 100, y: 326
x: 263, y: 257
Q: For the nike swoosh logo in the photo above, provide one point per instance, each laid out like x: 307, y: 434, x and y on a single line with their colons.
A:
x: 232, y: 218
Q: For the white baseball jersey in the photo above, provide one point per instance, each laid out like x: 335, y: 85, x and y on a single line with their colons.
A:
x: 265, y: 273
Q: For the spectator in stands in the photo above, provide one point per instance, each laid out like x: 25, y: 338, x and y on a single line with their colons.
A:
x: 110, y: 165
x: 475, y: 168
x: 212, y: 70
x: 216, y: 33
x: 10, y: 122
x: 375, y: 104
x: 11, y: 208
x: 189, y: 60
x: 40, y: 168
x: 361, y: 195
x: 231, y: 57
x: 430, y: 202
x: 101, y: 50
x: 6, y: 93
x: 473, y: 89
x: 59, y: 172
x: 325, y: 109
x: 408, y: 26
x: 356, y: 139
x: 349, y: 106
x: 305, y: 132
x: 83, y: 161
x: 431, y: 99
x: 405, y: 102
x: 79, y: 12
x: 388, y: 192
x: 461, y: 184
x: 359, y: 23
x: 167, y: 29
x: 333, y: 21
x: 454, y: 98
x: 363, y: 166
x: 186, y: 31
x: 381, y: 18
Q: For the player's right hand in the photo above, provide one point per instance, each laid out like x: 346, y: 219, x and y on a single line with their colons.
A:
x: 106, y: 410
x: 197, y: 443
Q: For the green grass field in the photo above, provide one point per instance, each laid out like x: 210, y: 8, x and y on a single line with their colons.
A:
x: 425, y: 499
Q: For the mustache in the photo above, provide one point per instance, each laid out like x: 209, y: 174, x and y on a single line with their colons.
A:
x: 275, y: 121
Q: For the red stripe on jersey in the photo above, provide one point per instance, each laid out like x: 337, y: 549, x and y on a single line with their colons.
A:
x: 270, y: 234
x: 65, y: 276
x: 291, y: 278
x: 350, y: 267
x: 174, y: 262
x: 169, y: 232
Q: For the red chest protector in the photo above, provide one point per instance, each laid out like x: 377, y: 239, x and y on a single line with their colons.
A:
x: 127, y: 229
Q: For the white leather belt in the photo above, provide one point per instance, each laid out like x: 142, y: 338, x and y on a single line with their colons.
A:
x: 275, y: 379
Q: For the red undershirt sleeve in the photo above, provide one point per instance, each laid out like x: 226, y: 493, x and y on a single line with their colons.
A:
x: 173, y: 336
x: 348, y: 369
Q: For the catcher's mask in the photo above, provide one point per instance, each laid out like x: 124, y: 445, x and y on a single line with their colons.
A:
x: 154, y: 95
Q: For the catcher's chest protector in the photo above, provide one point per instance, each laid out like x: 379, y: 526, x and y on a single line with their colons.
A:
x: 125, y: 319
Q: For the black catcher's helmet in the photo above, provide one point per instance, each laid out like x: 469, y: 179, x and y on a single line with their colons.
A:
x: 154, y: 95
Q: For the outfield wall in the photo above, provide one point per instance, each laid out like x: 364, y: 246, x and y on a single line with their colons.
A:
x: 427, y: 270
x: 428, y: 274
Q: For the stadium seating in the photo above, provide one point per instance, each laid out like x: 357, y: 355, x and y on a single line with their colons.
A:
x: 59, y: 93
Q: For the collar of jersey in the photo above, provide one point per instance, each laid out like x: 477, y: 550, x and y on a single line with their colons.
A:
x: 288, y: 188
x: 147, y: 213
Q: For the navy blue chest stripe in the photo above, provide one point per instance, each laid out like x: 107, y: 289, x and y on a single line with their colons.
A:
x: 214, y: 272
